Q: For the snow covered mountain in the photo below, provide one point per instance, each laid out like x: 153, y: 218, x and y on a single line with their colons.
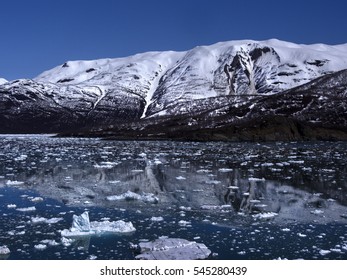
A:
x: 2, y: 81
x: 101, y: 93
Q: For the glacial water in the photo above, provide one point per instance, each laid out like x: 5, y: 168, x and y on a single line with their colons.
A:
x: 242, y: 200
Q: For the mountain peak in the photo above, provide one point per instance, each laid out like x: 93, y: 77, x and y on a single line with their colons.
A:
x: 3, y: 81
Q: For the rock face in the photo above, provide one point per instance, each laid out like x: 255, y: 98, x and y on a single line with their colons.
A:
x: 226, y: 82
x: 172, y: 249
x: 314, y: 111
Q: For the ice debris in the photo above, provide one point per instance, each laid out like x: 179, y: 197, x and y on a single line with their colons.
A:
x: 36, y: 220
x: 4, y: 250
x: 27, y: 209
x: 40, y: 246
x: 172, y: 249
x: 157, y: 219
x: 81, y: 226
x: 14, y: 183
x: 265, y: 215
x: 11, y: 206
x: 324, y: 252
x: 129, y: 195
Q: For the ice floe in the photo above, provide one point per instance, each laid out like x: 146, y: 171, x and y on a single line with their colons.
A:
x: 81, y: 226
x: 14, y: 183
x: 324, y: 252
x: 9, y: 206
x: 26, y: 209
x: 157, y: 219
x: 40, y: 246
x: 4, y: 250
x: 265, y: 215
x: 172, y: 249
x: 36, y: 199
x: 106, y: 165
x: 145, y: 197
x: 37, y: 220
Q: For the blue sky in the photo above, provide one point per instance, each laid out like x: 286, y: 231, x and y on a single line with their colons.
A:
x: 37, y: 35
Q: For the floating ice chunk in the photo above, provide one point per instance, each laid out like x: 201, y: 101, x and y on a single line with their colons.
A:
x: 172, y: 249
x: 225, y: 170
x: 92, y: 257
x: 36, y: 220
x: 215, y: 207
x: 183, y: 223
x: 9, y: 206
x: 184, y: 208
x: 37, y: 199
x: 27, y: 209
x: 285, y: 229
x: 157, y: 219
x: 336, y: 250
x: 66, y: 241
x: 40, y: 247
x: 145, y: 197
x: 180, y: 178
x: 14, y: 183
x: 256, y: 179
x: 324, y: 252
x: 301, y: 235
x: 81, y: 226
x: 266, y: 215
x: 106, y: 165
x: 297, y: 161
x: 203, y: 171
x: 4, y: 250
x: 49, y: 242
x: 317, y: 212
x: 210, y: 207
x: 213, y: 182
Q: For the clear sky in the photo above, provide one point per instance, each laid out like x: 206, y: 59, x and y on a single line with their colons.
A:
x: 37, y: 35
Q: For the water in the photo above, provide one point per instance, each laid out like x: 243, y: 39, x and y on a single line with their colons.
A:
x: 242, y: 200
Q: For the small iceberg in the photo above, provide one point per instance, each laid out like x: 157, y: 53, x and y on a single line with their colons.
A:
x: 129, y: 195
x: 4, y: 250
x: 81, y: 226
x: 265, y: 215
x: 171, y: 249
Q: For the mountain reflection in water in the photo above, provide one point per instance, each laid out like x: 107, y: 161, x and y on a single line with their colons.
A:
x: 233, y: 184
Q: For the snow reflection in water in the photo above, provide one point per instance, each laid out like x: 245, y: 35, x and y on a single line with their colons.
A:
x: 243, y: 200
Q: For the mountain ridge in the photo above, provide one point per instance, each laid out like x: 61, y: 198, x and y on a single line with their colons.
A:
x: 99, y: 94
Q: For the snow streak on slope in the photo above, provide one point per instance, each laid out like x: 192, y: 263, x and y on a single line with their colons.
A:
x: 138, y: 74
